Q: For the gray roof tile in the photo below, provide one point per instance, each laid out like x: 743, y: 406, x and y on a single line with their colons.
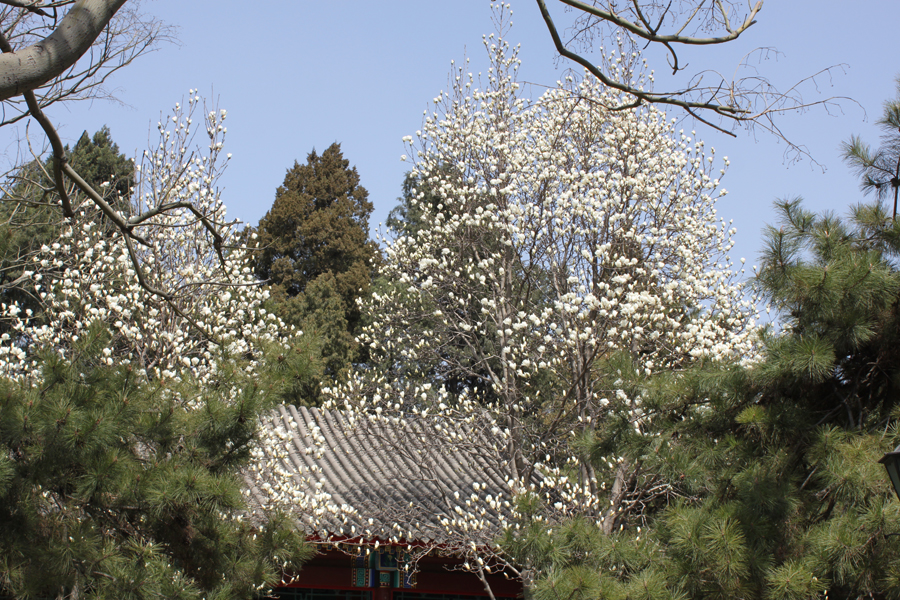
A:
x: 402, y: 476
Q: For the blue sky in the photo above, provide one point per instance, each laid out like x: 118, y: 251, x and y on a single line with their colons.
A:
x: 296, y: 75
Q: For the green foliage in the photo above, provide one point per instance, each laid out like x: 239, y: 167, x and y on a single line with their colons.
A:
x: 318, y: 224
x: 879, y: 170
x: 315, y: 252
x: 759, y: 481
x: 113, y: 487
x: 837, y: 285
x: 98, y: 160
x: 319, y: 312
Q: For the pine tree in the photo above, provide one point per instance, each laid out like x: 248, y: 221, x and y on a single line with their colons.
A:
x: 111, y: 487
x: 761, y: 481
x: 879, y: 170
x: 314, y: 242
x: 100, y: 163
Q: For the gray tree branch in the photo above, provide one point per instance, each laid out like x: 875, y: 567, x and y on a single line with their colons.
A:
x: 650, y: 33
x: 31, y: 67
x: 749, y: 101
x: 32, y: 6
x: 640, y: 95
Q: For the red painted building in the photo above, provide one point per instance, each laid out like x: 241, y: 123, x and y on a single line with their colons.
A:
x: 378, y: 575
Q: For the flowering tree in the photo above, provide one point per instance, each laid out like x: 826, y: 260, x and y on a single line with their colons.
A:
x: 42, y: 64
x: 172, y: 243
x: 213, y: 306
x: 564, y: 250
x: 29, y: 219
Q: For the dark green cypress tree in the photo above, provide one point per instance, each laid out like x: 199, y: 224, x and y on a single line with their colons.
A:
x: 316, y: 254
x: 98, y: 160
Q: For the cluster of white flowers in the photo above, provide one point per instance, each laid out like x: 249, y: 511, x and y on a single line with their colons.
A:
x: 561, y: 225
x: 191, y: 253
x: 555, y: 234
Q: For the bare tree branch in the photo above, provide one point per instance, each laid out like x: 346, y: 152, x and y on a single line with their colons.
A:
x: 128, y: 35
x: 34, y: 66
x: 650, y: 33
x: 645, y: 96
x: 747, y: 101
x: 59, y: 153
x: 34, y: 6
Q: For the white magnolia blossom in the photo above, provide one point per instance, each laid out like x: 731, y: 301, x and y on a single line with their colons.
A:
x: 88, y: 275
x: 561, y: 226
x: 555, y: 235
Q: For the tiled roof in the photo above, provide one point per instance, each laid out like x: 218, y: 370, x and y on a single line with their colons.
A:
x: 379, y: 479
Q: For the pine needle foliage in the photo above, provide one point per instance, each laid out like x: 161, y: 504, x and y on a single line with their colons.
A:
x: 111, y: 488
x: 836, y: 285
x: 879, y: 169
x: 757, y: 481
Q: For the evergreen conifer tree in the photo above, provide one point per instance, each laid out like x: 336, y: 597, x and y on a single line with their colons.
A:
x: 760, y: 481
x: 315, y: 252
x: 111, y: 487
x: 879, y: 170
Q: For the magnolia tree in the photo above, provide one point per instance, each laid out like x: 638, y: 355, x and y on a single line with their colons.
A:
x: 563, y: 248
x: 211, y: 305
